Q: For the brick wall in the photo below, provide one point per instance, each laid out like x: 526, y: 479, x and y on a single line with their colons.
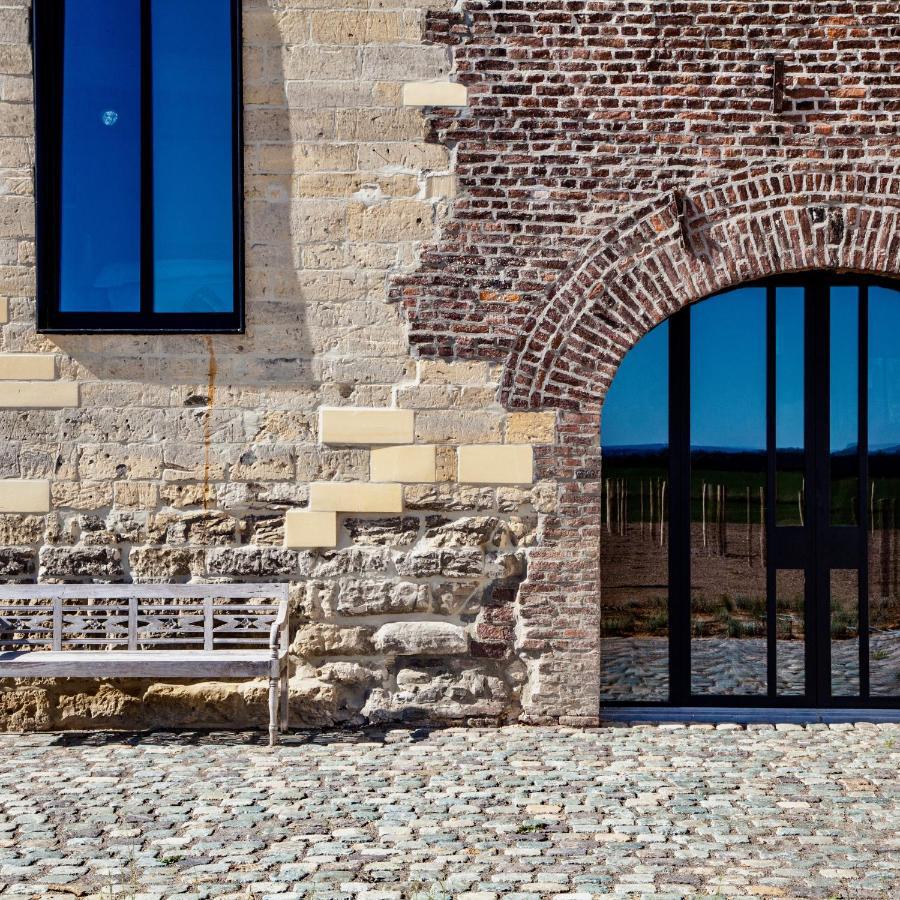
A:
x: 586, y: 117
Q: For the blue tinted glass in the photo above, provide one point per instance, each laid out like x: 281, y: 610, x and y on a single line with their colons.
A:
x: 884, y: 370
x: 636, y: 411
x: 192, y: 156
x: 101, y: 166
x: 844, y: 405
x: 634, y: 546
x: 789, y: 409
x: 728, y: 336
x: 789, y: 359
x: 728, y: 480
x: 844, y: 368
x: 884, y: 491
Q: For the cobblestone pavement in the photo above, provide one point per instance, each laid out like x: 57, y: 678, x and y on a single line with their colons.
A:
x: 661, y: 811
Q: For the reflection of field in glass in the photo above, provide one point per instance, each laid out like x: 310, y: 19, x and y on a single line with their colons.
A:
x: 725, y: 616
x: 635, y: 577
x: 728, y: 565
x: 728, y: 554
x: 884, y: 575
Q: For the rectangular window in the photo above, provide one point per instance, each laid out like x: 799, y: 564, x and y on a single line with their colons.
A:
x: 139, y: 165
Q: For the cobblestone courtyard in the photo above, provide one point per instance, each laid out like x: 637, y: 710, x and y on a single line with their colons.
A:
x: 662, y: 811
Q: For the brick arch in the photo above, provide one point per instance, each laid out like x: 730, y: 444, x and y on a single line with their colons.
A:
x: 644, y: 269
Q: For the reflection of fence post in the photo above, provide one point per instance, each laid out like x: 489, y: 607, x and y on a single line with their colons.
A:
x: 608, y: 509
x: 893, y: 547
x: 703, y: 513
x: 749, y: 531
x: 642, y: 508
x: 762, y: 526
x: 718, y: 518
x: 724, y: 531
x: 872, y: 507
x: 662, y: 514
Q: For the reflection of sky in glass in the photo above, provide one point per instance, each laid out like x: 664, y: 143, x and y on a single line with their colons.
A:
x: 101, y: 163
x: 884, y: 368
x: 844, y: 355
x: 728, y: 371
x: 636, y: 410
x: 789, y: 345
x: 192, y: 156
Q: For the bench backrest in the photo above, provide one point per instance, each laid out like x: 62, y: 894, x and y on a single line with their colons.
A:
x: 138, y: 616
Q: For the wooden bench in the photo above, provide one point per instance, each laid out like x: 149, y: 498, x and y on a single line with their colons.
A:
x: 149, y: 631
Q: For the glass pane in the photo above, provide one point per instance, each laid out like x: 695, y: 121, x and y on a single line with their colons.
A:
x: 634, y: 545
x: 789, y: 405
x: 790, y: 641
x: 844, y: 404
x: 101, y: 157
x: 728, y: 475
x: 844, y: 633
x: 192, y: 156
x: 884, y: 492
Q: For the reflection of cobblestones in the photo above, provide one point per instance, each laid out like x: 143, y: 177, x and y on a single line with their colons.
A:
x: 516, y: 812
x: 637, y: 668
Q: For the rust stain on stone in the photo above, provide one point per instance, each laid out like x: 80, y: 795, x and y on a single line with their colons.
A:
x: 212, y: 372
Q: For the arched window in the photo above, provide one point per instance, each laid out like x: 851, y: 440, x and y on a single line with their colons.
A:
x: 751, y: 470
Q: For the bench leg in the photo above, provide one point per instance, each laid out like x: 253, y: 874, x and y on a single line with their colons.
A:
x: 273, y: 710
x: 285, y: 697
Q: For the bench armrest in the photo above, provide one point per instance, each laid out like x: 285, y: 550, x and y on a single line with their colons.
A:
x: 278, y: 636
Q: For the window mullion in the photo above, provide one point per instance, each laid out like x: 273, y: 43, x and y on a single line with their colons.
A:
x: 146, y: 275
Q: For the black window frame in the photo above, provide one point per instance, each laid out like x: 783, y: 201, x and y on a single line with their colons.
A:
x: 47, y: 21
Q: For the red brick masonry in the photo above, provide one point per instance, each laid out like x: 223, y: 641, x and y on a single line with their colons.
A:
x: 586, y: 120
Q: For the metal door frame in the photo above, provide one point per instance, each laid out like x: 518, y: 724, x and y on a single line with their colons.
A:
x: 816, y: 547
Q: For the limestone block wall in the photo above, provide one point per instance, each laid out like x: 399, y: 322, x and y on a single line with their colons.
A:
x: 396, y: 495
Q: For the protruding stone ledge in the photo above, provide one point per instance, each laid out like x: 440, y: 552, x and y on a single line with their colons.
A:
x: 421, y: 638
x: 307, y: 529
x: 24, y: 496
x: 412, y: 464
x: 355, y: 496
x: 38, y: 394
x: 27, y: 366
x: 496, y: 464
x: 435, y: 93
x: 356, y: 425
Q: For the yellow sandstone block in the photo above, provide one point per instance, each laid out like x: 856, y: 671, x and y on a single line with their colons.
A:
x: 305, y: 528
x: 4, y: 310
x: 435, y: 93
x: 496, y: 464
x: 349, y: 496
x: 357, y: 425
x: 530, y: 428
x: 410, y: 465
x: 38, y: 395
x: 21, y: 496
x: 27, y: 366
x: 441, y: 186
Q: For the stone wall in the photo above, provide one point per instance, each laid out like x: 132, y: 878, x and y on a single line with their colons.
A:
x: 396, y: 495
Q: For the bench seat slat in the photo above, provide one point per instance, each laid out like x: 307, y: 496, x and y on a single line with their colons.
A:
x: 144, y: 591
x: 136, y: 664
